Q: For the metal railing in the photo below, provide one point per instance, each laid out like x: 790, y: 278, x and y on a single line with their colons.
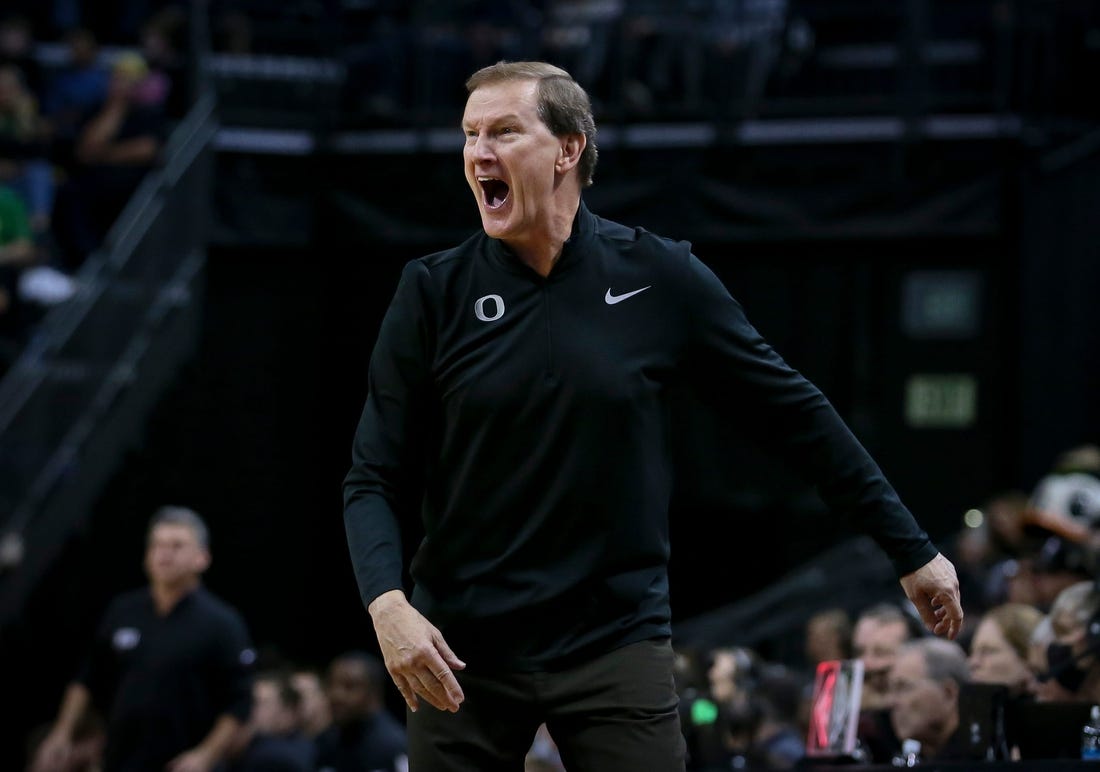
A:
x: 78, y: 395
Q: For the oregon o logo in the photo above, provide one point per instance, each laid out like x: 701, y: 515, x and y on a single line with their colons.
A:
x: 498, y: 308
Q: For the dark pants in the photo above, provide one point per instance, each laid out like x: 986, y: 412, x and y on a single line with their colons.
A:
x: 614, y: 713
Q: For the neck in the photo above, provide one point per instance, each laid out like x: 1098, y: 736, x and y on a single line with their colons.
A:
x: 542, y: 250
x: 165, y: 597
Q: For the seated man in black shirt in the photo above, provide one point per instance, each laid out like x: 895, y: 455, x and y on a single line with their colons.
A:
x: 169, y: 666
x: 363, y: 736
x: 925, y: 682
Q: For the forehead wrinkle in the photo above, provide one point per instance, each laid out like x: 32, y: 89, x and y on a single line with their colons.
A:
x: 491, y: 120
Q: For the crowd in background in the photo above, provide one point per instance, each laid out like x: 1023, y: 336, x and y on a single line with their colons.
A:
x: 78, y: 131
x: 1028, y: 566
x: 77, y: 134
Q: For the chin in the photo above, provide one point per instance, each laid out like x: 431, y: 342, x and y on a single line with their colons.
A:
x: 494, y: 228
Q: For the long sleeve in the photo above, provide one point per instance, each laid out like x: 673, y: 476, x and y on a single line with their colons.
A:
x: 388, y: 451
x: 785, y: 412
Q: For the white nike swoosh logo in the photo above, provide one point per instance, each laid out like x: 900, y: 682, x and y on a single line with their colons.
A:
x: 613, y: 299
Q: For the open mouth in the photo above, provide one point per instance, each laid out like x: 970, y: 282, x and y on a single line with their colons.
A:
x: 494, y: 192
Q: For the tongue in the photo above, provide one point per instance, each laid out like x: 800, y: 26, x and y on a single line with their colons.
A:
x: 496, y: 191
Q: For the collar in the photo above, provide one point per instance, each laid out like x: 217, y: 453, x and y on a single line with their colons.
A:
x: 584, y: 228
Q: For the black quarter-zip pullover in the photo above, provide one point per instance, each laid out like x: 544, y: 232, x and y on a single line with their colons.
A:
x: 527, y: 419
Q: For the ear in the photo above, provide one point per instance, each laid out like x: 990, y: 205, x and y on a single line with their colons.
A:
x: 203, y: 561
x: 569, y: 155
x: 951, y: 690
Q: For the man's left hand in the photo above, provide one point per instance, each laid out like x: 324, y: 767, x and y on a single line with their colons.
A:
x: 934, y: 590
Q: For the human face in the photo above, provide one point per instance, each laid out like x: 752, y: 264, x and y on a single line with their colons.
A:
x: 920, y: 708
x: 314, y: 707
x: 269, y: 715
x: 722, y: 676
x: 348, y: 691
x: 877, y: 643
x: 1048, y: 690
x: 512, y: 161
x: 823, y: 641
x: 994, y: 661
x: 173, y: 556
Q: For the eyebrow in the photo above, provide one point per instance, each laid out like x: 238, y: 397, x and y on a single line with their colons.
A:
x: 509, y: 118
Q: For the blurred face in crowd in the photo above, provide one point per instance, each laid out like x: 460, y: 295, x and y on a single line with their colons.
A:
x: 349, y: 691
x: 11, y: 89
x: 824, y: 640
x: 993, y: 660
x: 174, y: 558
x: 82, y: 48
x: 314, y: 706
x: 270, y: 715
x: 921, y: 708
x: 723, y: 675
x: 512, y: 161
x: 1048, y: 690
x: 876, y: 643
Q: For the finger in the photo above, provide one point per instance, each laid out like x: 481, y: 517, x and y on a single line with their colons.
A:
x: 407, y: 692
x: 451, y: 686
x: 443, y: 675
x: 950, y: 622
x: 927, y: 615
x: 445, y: 651
x: 433, y: 691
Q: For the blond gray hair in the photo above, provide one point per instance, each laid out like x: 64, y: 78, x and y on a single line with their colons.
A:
x: 561, y: 102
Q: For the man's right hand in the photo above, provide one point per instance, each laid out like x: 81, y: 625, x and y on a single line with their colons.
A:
x: 416, y: 656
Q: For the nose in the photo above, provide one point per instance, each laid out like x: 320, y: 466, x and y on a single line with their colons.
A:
x: 480, y: 149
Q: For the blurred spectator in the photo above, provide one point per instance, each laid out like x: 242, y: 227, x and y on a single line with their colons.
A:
x: 276, y: 742
x: 879, y: 632
x: 1067, y: 503
x: 993, y: 556
x: 114, y: 151
x: 578, y: 36
x: 169, y: 664
x: 76, y: 91
x: 744, y: 39
x: 232, y: 29
x: 731, y: 674
x: 363, y: 734
x: 17, y: 48
x: 725, y: 717
x: 661, y: 55
x: 925, y: 682
x: 163, y: 41
x: 16, y: 252
x: 698, y: 712
x: 1072, y: 657
x: 1044, y: 688
x: 761, y: 731
x: 314, y: 709
x: 378, y: 69
x: 828, y: 636
x: 999, y: 649
x: 1059, y: 565
x: 24, y: 162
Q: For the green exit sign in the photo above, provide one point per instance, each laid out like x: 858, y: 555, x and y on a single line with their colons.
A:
x: 941, y: 401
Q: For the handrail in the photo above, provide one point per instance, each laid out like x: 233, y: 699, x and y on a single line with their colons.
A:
x: 189, y: 138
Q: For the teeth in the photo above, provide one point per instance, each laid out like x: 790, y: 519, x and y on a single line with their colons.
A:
x: 488, y: 179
